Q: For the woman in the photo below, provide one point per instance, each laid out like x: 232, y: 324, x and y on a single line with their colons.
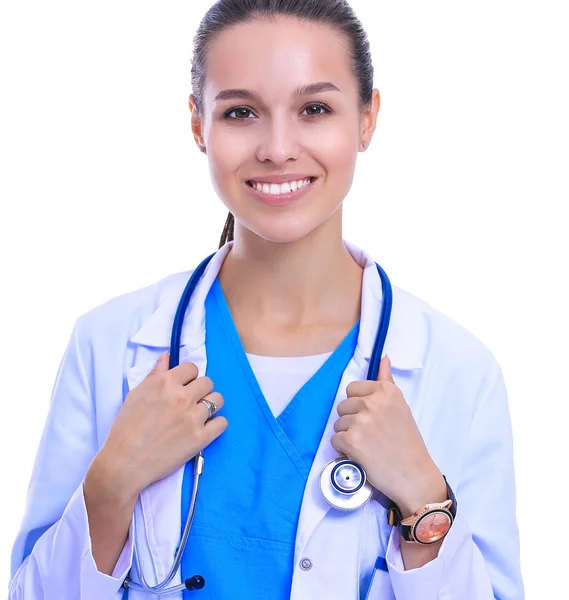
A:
x: 271, y: 381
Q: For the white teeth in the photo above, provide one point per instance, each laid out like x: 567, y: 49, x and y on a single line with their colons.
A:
x: 283, y: 188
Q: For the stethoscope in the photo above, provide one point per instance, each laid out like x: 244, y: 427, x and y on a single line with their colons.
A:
x: 343, y: 482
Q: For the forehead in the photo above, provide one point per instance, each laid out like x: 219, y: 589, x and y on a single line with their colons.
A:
x: 274, y: 57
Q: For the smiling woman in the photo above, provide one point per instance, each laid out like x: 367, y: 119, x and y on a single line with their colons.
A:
x: 314, y: 111
x: 288, y: 322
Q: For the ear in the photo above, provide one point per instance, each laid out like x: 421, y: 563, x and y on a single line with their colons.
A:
x: 196, y: 124
x: 369, y: 117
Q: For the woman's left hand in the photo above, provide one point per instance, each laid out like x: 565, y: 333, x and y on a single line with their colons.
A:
x: 377, y: 430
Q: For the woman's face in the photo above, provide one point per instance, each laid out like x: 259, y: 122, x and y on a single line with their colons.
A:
x: 272, y: 131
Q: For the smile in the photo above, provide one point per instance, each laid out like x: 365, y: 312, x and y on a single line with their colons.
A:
x: 283, y: 188
x: 276, y: 194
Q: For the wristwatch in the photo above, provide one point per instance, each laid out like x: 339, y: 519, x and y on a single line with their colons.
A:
x: 427, y: 525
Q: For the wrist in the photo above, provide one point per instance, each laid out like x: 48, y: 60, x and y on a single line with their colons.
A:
x: 431, y: 489
x: 427, y: 524
x: 107, y: 478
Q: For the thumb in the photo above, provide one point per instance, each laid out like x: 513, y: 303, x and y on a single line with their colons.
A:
x: 162, y: 364
x: 384, y: 373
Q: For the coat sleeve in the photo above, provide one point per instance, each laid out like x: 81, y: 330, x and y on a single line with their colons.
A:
x: 52, y: 555
x: 479, y: 559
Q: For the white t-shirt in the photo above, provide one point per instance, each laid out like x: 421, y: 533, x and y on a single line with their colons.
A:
x: 281, y: 377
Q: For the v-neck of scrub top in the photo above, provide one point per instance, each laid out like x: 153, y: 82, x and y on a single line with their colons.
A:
x: 242, y: 539
x: 292, y: 372
x: 289, y: 431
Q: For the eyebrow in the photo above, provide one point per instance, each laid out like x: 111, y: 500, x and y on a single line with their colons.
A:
x: 303, y: 90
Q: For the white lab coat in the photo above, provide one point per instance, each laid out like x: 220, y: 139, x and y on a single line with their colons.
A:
x: 454, y: 387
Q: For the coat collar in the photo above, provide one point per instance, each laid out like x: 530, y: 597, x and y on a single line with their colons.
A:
x: 406, y: 338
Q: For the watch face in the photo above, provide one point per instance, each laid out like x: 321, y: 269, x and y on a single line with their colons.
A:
x: 432, y: 527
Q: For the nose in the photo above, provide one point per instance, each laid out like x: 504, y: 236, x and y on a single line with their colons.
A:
x: 279, y: 140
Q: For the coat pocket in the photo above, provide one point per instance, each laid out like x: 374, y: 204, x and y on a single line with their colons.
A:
x: 380, y: 584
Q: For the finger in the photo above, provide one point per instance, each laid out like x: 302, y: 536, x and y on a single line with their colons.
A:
x: 344, y: 423
x: 350, y: 406
x: 337, y: 441
x: 213, y: 429
x: 162, y: 364
x: 197, y: 389
x: 384, y: 373
x: 184, y: 373
x: 361, y: 388
x: 204, y: 410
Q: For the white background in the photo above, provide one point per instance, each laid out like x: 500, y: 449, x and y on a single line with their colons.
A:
x: 462, y: 198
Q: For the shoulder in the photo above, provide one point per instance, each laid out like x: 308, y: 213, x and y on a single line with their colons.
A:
x: 122, y: 315
x: 448, y: 342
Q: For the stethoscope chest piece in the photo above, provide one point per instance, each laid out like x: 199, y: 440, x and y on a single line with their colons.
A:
x: 344, y: 484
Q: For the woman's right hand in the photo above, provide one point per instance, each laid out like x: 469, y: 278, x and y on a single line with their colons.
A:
x: 161, y: 425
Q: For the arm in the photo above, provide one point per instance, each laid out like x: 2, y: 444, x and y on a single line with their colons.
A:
x: 479, y: 559
x: 110, y: 508
x: 52, y: 556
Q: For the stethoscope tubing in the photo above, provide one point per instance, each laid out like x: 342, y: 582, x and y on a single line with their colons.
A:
x: 175, y: 343
x: 161, y: 587
x: 385, y: 318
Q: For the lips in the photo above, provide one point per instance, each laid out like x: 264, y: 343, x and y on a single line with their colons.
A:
x: 282, y: 198
x: 269, y: 180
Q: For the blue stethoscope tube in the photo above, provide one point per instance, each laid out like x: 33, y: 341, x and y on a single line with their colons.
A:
x: 197, y: 582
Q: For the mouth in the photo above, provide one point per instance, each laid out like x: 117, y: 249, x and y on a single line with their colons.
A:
x: 280, y: 189
x: 280, y: 194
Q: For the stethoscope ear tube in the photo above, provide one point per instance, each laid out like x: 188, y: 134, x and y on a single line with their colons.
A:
x: 176, y: 337
x: 193, y: 583
x: 384, y: 319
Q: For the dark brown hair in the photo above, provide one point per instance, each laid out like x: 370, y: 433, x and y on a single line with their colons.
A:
x: 335, y: 13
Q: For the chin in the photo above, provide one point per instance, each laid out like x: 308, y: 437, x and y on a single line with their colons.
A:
x: 288, y: 223
x: 281, y: 233
x: 283, y: 229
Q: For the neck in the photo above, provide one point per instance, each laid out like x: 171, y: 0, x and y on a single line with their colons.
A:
x: 310, y: 281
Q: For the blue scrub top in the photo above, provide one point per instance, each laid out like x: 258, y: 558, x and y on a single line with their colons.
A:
x: 243, y: 536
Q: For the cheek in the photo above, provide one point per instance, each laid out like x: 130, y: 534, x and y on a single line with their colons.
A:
x: 227, y: 145
x: 338, y: 158
x: 227, y: 142
x: 336, y: 150
x: 226, y: 155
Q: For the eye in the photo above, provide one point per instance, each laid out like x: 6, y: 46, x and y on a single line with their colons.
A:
x: 326, y: 109
x: 238, y: 110
x: 241, y: 111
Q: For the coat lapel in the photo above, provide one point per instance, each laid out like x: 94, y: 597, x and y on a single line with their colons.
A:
x: 160, y: 502
x: 159, y: 506
x: 405, y: 344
